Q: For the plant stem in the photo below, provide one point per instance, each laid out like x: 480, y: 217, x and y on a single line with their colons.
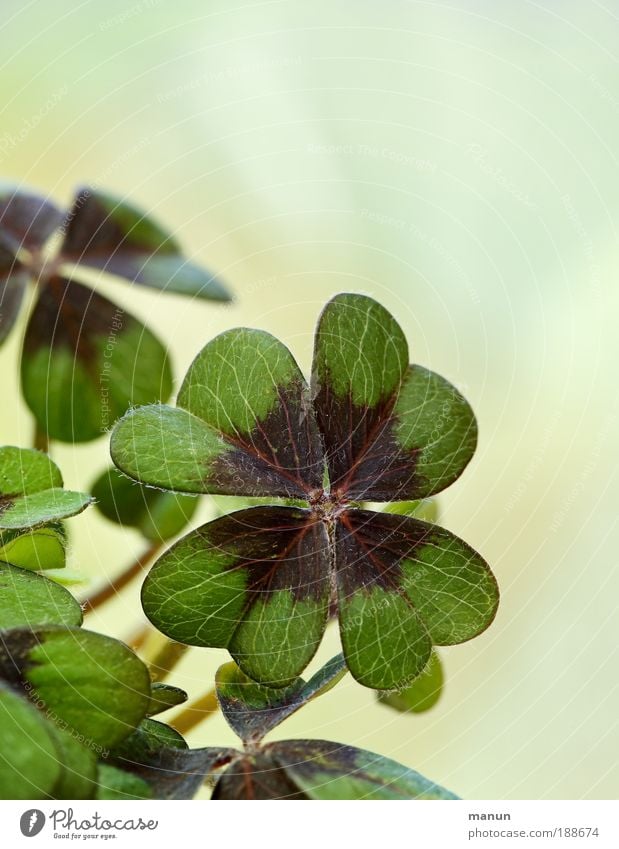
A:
x: 40, y: 440
x: 196, y: 712
x: 166, y: 659
x: 138, y: 637
x: 113, y: 587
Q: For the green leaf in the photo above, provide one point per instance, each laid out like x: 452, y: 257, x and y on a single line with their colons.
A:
x: 28, y: 600
x: 149, y: 737
x: 24, y: 471
x: 159, y: 756
x: 30, y: 766
x: 27, y: 220
x: 115, y: 784
x: 392, y: 432
x: 38, y: 759
x: 243, y: 426
x: 252, y: 710
x: 94, y: 684
x: 259, y: 581
x: 426, y: 509
x: 40, y: 508
x: 402, y: 586
x: 324, y: 770
x: 157, y: 515
x: 78, y: 777
x: 41, y: 549
x: 86, y: 361
x: 30, y: 490
x: 253, y: 581
x: 167, y: 447
x: 108, y: 233
x: 422, y: 694
x: 163, y: 697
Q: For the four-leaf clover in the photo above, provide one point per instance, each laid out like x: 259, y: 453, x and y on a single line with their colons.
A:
x: 86, y: 359
x: 261, y: 581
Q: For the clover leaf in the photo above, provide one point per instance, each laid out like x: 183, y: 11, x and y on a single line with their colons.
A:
x: 261, y: 581
x: 66, y: 696
x: 28, y: 599
x: 252, y: 710
x: 422, y: 694
x: 289, y: 769
x: 26, y: 222
x: 163, y: 697
x: 157, y: 515
x: 106, y: 232
x: 86, y: 360
x: 39, y: 549
x: 94, y: 684
x: 31, y: 492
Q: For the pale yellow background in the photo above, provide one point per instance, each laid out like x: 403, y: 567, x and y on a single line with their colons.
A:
x: 459, y: 162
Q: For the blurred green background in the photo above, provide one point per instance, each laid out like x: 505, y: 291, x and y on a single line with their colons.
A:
x: 458, y: 162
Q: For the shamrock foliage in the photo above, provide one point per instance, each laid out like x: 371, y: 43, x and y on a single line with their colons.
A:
x: 85, y: 360
x: 289, y: 769
x: 261, y: 581
x: 66, y: 694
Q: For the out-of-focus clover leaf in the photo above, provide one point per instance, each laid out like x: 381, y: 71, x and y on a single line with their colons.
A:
x: 116, y: 784
x: 163, y: 697
x: 91, y: 683
x: 29, y: 763
x: 14, y: 279
x: 290, y: 769
x: 66, y: 695
x: 157, y: 515
x: 422, y: 694
x: 41, y: 549
x: 108, y: 233
x: 27, y: 220
x: 86, y: 360
x: 371, y: 428
x: 31, y: 492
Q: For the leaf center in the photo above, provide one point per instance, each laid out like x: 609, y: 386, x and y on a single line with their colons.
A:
x: 327, y: 506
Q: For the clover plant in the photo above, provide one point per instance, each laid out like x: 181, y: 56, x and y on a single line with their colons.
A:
x: 369, y: 427
x: 86, y: 359
x: 323, y: 494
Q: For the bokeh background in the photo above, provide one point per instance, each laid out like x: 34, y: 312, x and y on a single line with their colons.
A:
x: 458, y: 161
